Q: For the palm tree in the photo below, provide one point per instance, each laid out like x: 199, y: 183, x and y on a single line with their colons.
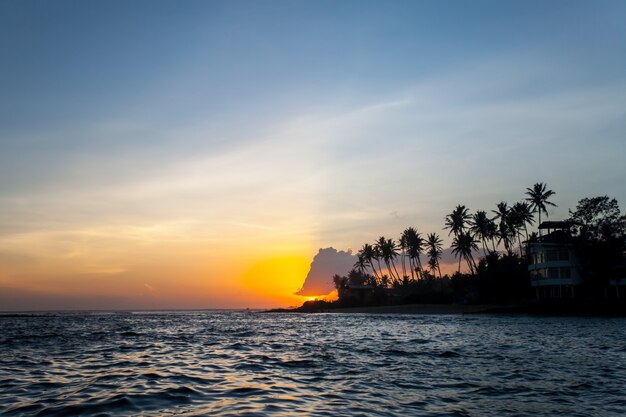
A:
x: 415, y: 245
x: 384, y: 281
x: 492, y: 233
x: 360, y: 264
x: 479, y: 226
x: 387, y: 250
x: 435, y: 249
x: 456, y: 220
x: 520, y: 216
x: 368, y: 253
x: 462, y: 246
x: 390, y: 254
x: 525, y: 215
x: 503, y: 213
x: 403, y: 245
x: 377, y: 256
x: 538, y: 198
x: 433, y: 264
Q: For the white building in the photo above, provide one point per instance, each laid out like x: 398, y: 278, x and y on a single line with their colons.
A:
x: 554, y: 269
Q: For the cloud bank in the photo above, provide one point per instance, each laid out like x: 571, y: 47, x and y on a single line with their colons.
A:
x: 326, y: 263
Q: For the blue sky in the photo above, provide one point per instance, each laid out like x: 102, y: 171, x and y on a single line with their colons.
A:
x: 307, y: 124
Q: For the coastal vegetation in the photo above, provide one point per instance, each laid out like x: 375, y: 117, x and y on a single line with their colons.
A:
x: 491, y: 249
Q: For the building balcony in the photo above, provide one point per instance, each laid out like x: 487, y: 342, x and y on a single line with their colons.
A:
x: 538, y: 281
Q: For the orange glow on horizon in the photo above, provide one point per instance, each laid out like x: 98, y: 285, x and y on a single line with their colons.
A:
x: 104, y: 268
x: 331, y: 296
x: 278, y: 279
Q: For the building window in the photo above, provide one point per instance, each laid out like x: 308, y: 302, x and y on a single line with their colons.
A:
x: 537, y: 258
x: 552, y: 255
x: 565, y: 272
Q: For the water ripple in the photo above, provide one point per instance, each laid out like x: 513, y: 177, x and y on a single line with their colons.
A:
x: 235, y: 363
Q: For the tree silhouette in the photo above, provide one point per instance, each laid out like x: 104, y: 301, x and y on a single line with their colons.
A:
x: 599, y: 231
x: 519, y: 216
x: 404, y: 246
x: 360, y: 264
x: 505, y: 228
x: 368, y: 253
x: 435, y: 249
x: 456, y: 220
x: 387, y: 250
x: 538, y: 197
x: 480, y: 226
x: 415, y: 246
x: 462, y: 246
x: 598, y: 219
x: 390, y: 254
x: 524, y: 214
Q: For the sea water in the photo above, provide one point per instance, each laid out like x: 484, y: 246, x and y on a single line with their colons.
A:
x: 258, y: 364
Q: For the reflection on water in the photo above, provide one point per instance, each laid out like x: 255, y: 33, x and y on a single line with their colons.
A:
x: 231, y: 363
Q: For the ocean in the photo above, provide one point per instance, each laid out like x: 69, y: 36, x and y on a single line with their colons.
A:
x: 227, y: 363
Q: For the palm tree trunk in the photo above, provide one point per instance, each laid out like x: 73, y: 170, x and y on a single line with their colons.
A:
x: 539, y: 223
x: 418, y: 267
x: 374, y: 270
x: 469, y: 264
x: 390, y: 271
x: 394, y: 268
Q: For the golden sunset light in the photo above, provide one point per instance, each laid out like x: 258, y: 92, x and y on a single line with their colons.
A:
x: 312, y: 208
x: 137, y: 173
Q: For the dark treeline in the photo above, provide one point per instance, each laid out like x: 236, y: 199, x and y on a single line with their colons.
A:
x: 492, y: 246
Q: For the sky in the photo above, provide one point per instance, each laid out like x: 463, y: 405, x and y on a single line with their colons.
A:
x: 198, y: 154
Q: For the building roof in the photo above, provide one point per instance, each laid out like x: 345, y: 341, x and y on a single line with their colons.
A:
x: 558, y: 224
x: 360, y: 287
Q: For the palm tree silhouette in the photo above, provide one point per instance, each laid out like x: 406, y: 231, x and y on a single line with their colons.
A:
x: 415, y: 246
x: 435, y: 249
x: 480, y: 227
x: 403, y: 244
x: 505, y: 229
x: 492, y: 233
x: 377, y: 256
x: 524, y: 213
x: 462, y: 246
x: 538, y: 198
x: 456, y: 220
x: 368, y: 254
x: 520, y: 215
x: 360, y: 264
x: 384, y: 281
x: 388, y: 252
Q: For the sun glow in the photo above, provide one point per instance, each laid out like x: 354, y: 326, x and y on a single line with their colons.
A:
x: 278, y: 278
x: 332, y: 296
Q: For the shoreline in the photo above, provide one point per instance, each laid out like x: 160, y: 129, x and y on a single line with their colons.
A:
x: 576, y: 310
x: 419, y: 309
x: 400, y: 309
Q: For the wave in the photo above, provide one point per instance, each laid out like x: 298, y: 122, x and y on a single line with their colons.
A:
x: 224, y: 363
